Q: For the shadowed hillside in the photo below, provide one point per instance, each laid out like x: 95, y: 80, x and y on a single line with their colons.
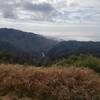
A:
x: 26, y: 42
x: 38, y: 50
x: 30, y: 83
x: 68, y: 48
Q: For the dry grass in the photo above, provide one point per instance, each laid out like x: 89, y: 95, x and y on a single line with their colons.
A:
x: 19, y: 82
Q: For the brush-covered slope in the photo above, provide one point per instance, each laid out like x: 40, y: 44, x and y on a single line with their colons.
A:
x: 30, y: 83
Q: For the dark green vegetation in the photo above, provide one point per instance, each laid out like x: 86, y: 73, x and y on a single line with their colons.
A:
x: 30, y: 83
x: 87, y: 61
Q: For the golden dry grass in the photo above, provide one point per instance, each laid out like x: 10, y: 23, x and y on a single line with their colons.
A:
x: 20, y: 82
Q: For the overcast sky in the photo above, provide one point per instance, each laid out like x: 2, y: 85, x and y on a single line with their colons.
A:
x: 65, y: 19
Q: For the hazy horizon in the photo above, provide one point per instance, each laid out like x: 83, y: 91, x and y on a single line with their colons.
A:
x: 61, y: 19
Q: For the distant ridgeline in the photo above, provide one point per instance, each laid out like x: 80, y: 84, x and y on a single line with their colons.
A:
x: 68, y: 48
x: 23, y: 47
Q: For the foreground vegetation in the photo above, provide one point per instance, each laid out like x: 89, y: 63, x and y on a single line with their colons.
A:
x: 22, y: 82
x: 88, y: 61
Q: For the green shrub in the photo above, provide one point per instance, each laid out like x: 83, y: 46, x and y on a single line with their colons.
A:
x: 81, y: 61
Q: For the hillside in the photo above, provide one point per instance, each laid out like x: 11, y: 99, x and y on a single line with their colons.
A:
x: 68, y: 48
x: 38, y: 50
x: 19, y: 41
x: 30, y: 83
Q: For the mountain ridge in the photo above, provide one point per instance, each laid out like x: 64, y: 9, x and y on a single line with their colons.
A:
x: 30, y: 46
x: 67, y: 48
x: 25, y: 41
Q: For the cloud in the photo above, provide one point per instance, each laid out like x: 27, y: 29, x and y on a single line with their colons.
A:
x: 8, y: 9
x: 40, y: 7
x: 40, y: 11
x: 9, y: 12
x: 81, y: 11
x: 51, y: 10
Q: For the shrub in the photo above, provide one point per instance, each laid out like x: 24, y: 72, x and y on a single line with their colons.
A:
x: 50, y: 83
x: 81, y: 61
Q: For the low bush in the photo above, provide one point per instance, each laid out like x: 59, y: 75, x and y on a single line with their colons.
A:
x: 88, y: 61
x: 49, y: 83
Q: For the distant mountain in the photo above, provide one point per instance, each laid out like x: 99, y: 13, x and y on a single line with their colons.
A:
x: 30, y: 47
x: 24, y: 42
x: 67, y: 48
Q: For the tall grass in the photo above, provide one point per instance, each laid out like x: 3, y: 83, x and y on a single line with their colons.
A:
x: 48, y: 83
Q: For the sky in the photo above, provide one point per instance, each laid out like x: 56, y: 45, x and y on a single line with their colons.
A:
x: 61, y: 19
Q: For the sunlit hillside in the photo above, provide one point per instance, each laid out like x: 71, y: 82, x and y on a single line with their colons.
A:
x: 23, y: 82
